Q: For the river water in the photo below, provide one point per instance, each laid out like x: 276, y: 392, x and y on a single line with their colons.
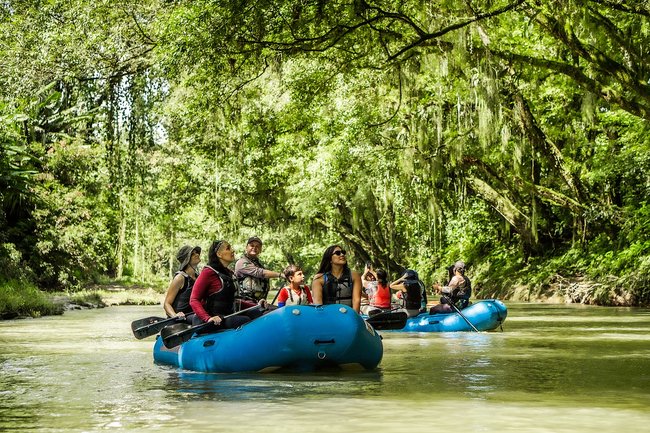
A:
x: 553, y: 368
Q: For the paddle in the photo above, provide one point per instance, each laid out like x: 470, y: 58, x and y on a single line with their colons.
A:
x: 388, y: 320
x: 461, y: 314
x: 275, y: 297
x: 179, y: 333
x: 148, y: 326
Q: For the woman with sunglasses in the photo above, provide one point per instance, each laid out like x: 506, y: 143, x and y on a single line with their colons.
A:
x: 335, y: 282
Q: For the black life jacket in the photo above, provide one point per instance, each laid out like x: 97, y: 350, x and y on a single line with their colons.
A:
x: 460, y: 295
x: 337, y: 290
x: 222, y: 302
x: 182, y: 300
x: 416, y: 296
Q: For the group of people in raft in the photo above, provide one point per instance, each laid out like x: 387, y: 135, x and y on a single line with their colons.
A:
x: 217, y: 292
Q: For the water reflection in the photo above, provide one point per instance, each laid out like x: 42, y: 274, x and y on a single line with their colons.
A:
x: 276, y: 385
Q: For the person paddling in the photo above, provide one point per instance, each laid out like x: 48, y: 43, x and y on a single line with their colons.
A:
x: 457, y: 291
x: 177, y: 297
x: 335, y: 282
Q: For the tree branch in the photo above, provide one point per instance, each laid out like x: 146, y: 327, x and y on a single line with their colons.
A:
x: 478, y: 17
x: 578, y: 75
x: 623, y: 7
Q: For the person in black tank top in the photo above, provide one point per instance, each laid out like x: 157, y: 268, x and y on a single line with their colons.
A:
x: 412, y: 291
x: 457, y: 291
x: 177, y: 297
x: 335, y: 283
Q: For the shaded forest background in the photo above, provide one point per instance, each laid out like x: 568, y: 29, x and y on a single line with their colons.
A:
x: 513, y: 135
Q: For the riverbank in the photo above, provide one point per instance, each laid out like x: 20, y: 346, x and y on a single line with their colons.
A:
x: 22, y: 300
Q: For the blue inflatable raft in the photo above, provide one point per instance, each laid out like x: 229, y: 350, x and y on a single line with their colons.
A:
x: 484, y: 315
x: 302, y: 338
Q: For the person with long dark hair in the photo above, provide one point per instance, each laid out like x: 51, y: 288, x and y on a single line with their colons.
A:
x: 381, y: 299
x: 335, y: 282
x: 213, y: 294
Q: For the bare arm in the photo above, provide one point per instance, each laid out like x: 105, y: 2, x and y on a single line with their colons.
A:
x: 172, y: 291
x: 356, y: 291
x: 317, y: 289
x: 398, y: 285
x: 455, y: 282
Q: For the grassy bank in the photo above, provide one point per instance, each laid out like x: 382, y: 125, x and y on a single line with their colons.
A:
x: 595, y: 277
x: 19, y: 299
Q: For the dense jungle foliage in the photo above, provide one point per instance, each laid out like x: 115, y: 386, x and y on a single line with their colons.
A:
x: 511, y: 134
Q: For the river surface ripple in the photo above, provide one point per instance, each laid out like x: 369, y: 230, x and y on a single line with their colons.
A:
x: 553, y: 368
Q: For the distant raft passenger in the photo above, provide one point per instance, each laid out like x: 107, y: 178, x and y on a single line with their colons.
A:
x: 413, y: 292
x: 457, y: 291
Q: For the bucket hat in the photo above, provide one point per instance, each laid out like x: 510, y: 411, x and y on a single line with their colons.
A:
x: 185, y: 255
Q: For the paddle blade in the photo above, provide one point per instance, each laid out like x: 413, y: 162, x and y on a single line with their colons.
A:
x: 152, y: 328
x: 388, y: 321
x: 144, y: 322
x: 175, y: 335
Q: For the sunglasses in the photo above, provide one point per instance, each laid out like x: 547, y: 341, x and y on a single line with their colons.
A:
x: 339, y: 253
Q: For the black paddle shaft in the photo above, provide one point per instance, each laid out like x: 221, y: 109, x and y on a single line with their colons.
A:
x: 461, y: 314
x: 175, y: 335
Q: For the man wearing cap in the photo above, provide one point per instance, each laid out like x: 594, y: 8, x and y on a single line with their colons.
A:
x: 249, y: 271
x: 457, y: 291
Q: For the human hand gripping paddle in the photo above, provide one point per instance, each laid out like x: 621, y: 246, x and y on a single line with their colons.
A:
x: 179, y: 333
x: 148, y: 326
x: 461, y: 314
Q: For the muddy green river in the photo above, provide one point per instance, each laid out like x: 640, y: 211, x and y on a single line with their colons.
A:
x: 553, y: 368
